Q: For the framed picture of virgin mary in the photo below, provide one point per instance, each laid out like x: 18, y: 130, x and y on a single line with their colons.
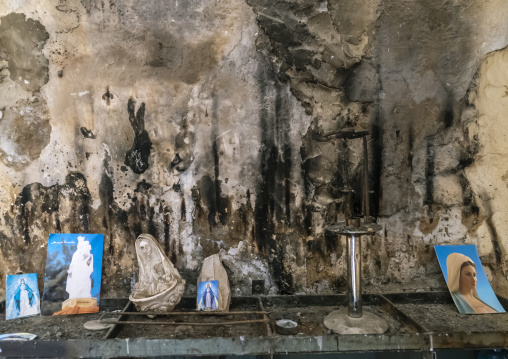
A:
x: 72, y: 282
x: 208, y: 295
x: 22, y: 296
x: 466, y: 280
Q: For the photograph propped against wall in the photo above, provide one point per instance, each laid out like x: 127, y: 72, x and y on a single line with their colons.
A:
x: 21, y: 296
x: 208, y: 295
x: 466, y: 280
x: 72, y: 282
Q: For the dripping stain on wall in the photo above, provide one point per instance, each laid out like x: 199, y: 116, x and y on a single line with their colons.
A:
x: 137, y: 157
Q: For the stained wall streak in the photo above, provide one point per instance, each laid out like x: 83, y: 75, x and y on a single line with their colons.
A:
x: 137, y: 157
x: 272, y: 218
x: 167, y: 235
x: 429, y: 178
x: 106, y: 193
x: 184, y: 143
x: 265, y: 201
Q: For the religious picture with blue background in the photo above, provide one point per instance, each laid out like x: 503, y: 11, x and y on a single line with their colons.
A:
x: 21, y: 296
x: 466, y: 280
x: 72, y: 282
x: 208, y: 295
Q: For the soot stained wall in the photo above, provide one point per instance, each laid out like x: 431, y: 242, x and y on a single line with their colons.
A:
x: 202, y: 123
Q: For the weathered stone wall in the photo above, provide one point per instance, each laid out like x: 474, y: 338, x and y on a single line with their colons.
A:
x: 202, y: 123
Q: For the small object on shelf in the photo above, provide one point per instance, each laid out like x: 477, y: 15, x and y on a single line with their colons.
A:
x: 160, y: 287
x: 22, y: 296
x: 97, y: 325
x: 72, y: 282
x: 18, y: 336
x: 286, y: 327
x: 214, y: 292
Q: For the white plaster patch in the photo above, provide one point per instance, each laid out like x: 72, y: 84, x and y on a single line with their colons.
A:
x: 322, y: 7
x: 82, y: 93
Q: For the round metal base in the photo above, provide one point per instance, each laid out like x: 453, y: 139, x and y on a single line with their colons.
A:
x: 341, y: 323
x: 96, y: 325
x: 286, y: 327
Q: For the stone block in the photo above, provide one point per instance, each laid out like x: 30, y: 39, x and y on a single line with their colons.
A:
x: 214, y: 270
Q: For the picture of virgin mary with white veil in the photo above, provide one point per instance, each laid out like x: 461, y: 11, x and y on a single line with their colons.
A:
x: 466, y: 279
x: 462, y: 285
x: 79, y: 282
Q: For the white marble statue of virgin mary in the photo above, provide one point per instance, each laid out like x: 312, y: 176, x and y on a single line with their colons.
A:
x: 79, y: 283
x: 156, y: 272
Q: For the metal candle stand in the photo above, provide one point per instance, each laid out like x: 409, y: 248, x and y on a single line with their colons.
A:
x: 356, y: 321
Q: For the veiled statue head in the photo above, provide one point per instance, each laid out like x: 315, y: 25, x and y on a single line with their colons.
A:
x: 156, y: 272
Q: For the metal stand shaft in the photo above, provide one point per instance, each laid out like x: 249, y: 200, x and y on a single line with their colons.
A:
x: 352, y: 320
x: 365, y: 191
x: 355, y: 322
x: 354, y: 276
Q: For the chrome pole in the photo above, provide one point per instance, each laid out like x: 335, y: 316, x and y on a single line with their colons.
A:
x: 366, y: 209
x: 354, y: 274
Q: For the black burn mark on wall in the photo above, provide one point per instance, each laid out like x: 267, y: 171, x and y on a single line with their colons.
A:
x: 106, y: 195
x: 152, y: 228
x: 470, y: 211
x: 410, y: 145
x: 210, y: 196
x: 183, y: 210
x: 184, y: 153
x: 208, y: 192
x: 108, y: 96
x: 36, y: 203
x: 495, y: 240
x: 166, y: 218
x: 272, y: 199
x: 26, y: 197
x: 215, y: 194
x: 145, y: 216
x: 137, y: 157
x: 141, y: 214
x: 284, y: 167
x: 347, y: 183
x: 332, y: 243
x: 356, y: 194
x: 242, y: 220
x: 429, y: 179
x: 493, y: 235
x: 176, y: 161
x: 265, y: 199
x: 87, y: 133
x: 448, y: 112
x: 76, y: 182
